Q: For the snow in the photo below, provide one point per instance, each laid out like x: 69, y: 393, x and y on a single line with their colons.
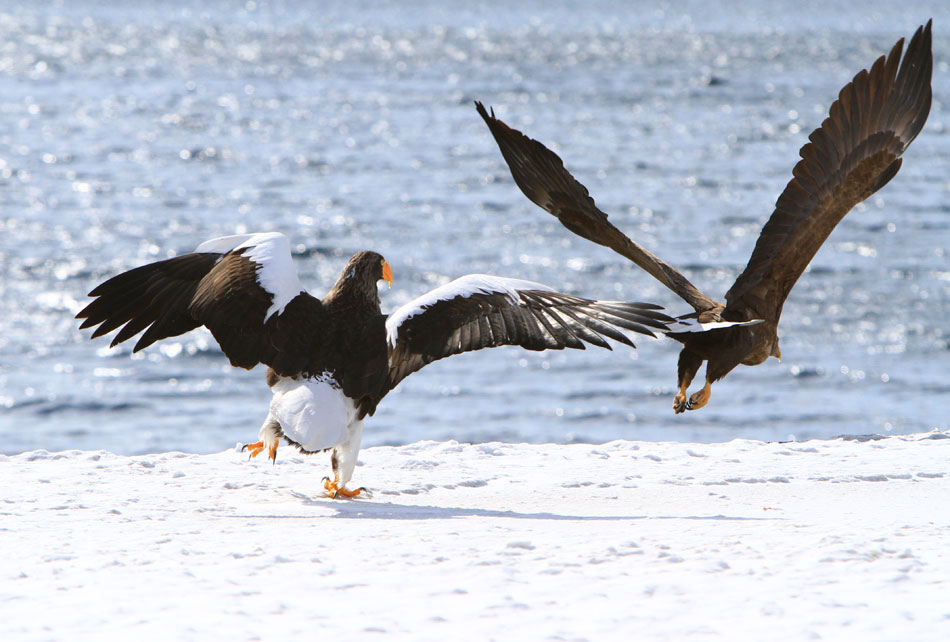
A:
x: 838, y: 540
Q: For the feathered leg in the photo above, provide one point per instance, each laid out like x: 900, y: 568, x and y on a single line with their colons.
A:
x: 689, y: 364
x: 343, y: 462
x: 269, y: 435
x: 716, y: 369
x: 701, y: 397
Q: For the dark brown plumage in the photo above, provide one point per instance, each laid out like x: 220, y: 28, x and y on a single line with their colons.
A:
x: 854, y: 153
x: 331, y: 361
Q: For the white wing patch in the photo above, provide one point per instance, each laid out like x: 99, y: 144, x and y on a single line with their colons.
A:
x: 465, y: 287
x: 271, y: 251
x: 223, y: 244
x: 692, y: 325
x: 312, y: 412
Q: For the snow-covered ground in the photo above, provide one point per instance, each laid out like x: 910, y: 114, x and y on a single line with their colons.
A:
x: 834, y: 540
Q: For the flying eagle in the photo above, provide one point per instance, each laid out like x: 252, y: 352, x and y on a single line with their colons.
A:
x: 330, y: 361
x: 854, y: 153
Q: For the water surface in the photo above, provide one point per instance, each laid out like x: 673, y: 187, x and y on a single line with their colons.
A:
x: 128, y: 135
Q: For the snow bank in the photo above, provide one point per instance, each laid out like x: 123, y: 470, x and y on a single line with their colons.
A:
x: 841, y: 539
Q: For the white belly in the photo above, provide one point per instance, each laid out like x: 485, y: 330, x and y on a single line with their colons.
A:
x: 313, y: 413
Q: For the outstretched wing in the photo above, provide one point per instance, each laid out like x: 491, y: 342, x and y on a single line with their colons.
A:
x: 541, y: 175
x: 854, y: 153
x: 243, y: 288
x: 480, y: 311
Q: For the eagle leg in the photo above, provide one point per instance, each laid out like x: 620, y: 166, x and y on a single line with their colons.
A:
x: 700, y: 398
x: 679, y: 401
x: 689, y: 364
x: 256, y: 448
x: 335, y: 491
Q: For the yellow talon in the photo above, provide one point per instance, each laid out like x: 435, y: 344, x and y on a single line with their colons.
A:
x: 335, y: 491
x: 254, y: 449
x: 679, y: 402
x: 700, y: 398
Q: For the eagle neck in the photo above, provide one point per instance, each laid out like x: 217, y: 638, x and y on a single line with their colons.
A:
x: 354, y: 296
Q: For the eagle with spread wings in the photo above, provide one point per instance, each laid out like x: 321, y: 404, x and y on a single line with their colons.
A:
x: 330, y: 361
x: 854, y: 153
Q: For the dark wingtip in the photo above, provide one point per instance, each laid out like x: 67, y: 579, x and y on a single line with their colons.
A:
x: 480, y: 108
x: 96, y: 291
x: 646, y: 306
x: 98, y: 332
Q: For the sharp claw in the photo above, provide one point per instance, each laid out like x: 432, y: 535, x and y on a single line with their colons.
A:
x: 255, y: 449
x: 679, y: 402
x: 699, y: 399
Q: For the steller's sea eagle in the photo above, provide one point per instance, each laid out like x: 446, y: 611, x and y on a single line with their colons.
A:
x: 330, y: 361
x: 854, y: 153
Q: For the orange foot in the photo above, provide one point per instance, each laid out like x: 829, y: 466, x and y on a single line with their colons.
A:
x: 700, y: 398
x: 336, y: 491
x: 679, y: 402
x: 256, y: 448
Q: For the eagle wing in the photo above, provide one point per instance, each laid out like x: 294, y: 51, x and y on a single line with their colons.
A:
x: 542, y: 177
x: 480, y: 311
x: 854, y: 153
x: 243, y: 288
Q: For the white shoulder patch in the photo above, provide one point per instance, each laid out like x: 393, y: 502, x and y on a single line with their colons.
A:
x: 465, y: 287
x: 271, y: 251
x: 223, y: 244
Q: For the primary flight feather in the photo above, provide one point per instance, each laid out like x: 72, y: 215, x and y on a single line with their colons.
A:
x: 854, y: 153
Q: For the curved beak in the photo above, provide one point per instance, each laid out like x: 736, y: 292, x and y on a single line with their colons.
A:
x: 387, y: 273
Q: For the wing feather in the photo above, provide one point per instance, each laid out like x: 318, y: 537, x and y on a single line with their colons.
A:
x: 854, y: 153
x: 128, y: 296
x: 542, y: 177
x: 242, y: 288
x: 479, y: 311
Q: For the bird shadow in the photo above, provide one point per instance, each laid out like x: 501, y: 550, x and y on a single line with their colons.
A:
x: 364, y: 509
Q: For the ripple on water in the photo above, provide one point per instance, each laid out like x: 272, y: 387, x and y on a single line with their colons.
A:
x: 132, y: 133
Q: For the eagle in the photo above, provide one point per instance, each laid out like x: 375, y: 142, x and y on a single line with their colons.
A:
x: 854, y: 153
x: 332, y: 360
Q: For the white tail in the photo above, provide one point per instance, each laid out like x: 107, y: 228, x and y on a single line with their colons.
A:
x: 692, y: 325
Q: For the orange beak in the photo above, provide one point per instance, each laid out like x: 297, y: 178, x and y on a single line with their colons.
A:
x: 387, y: 273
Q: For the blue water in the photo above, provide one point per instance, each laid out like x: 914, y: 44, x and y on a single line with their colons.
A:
x: 130, y: 134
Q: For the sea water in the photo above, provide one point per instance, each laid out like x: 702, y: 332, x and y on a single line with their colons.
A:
x: 131, y: 133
